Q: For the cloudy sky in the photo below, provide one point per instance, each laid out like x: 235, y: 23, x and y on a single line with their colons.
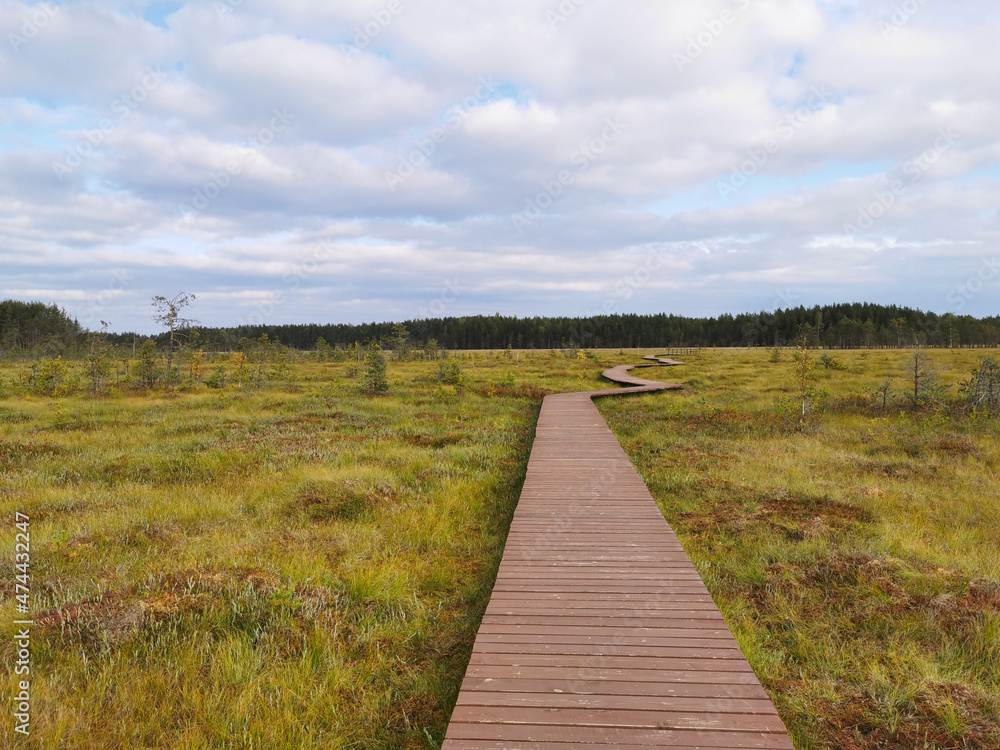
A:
x: 348, y: 161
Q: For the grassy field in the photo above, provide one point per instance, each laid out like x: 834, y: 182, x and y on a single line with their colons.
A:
x: 856, y: 558
x: 305, y: 567
x: 302, y: 567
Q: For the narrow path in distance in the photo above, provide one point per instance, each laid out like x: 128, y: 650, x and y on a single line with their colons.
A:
x: 600, y: 632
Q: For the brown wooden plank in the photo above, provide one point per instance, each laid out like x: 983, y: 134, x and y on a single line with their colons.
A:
x: 695, y: 677
x: 572, y: 662
x: 690, y: 642
x: 564, y: 686
x: 619, y: 736
x: 599, y: 608
x: 528, y: 745
x: 660, y: 718
x: 600, y: 631
x: 607, y: 631
x: 710, y: 619
x: 634, y: 702
x: 594, y: 596
x: 485, y: 648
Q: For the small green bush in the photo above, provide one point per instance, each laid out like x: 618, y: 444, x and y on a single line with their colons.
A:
x: 217, y: 379
x: 374, y: 381
x: 450, y: 372
x: 832, y: 363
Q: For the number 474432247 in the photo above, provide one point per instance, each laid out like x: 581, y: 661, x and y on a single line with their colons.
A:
x: 22, y: 558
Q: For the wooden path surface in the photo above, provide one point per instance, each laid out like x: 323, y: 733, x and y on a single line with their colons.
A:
x: 600, y: 632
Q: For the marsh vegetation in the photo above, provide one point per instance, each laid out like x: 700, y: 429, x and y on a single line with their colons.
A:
x: 280, y: 560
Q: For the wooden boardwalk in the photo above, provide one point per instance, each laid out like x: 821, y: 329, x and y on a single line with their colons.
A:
x: 600, y: 632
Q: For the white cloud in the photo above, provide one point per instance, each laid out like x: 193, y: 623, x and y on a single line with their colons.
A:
x: 356, y: 114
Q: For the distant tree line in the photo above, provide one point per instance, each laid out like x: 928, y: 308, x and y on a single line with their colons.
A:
x: 852, y: 326
x: 37, y: 329
x: 34, y: 329
x: 59, y: 358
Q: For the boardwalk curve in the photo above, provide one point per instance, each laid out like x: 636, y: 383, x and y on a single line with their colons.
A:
x: 600, y: 632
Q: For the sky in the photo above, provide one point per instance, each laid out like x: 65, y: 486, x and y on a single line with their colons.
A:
x: 354, y: 161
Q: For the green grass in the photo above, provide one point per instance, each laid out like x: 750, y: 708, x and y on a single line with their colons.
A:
x: 306, y: 567
x: 855, y: 557
x: 303, y: 567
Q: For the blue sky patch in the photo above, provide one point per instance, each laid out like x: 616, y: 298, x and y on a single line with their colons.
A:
x: 157, y: 13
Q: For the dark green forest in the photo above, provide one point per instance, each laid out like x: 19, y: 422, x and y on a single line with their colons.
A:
x: 34, y: 329
x: 37, y: 328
